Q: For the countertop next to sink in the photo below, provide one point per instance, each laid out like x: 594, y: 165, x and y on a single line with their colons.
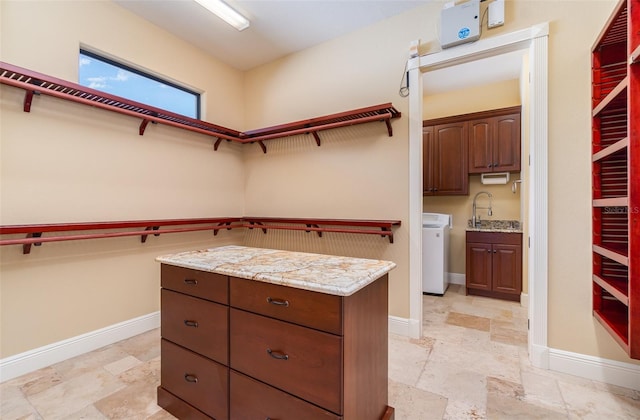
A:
x: 502, y: 226
x: 329, y: 274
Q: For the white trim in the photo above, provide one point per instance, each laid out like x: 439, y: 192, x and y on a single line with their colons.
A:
x: 399, y: 326
x: 538, y: 194
x: 595, y: 368
x: 415, y: 200
x: 535, y: 39
x: 404, y: 326
x: 457, y: 278
x: 29, y: 361
x: 524, y: 300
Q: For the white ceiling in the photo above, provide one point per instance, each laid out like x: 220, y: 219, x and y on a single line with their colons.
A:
x: 282, y: 27
x: 278, y: 27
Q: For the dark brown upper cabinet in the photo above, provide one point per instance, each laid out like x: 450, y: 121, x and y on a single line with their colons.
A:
x: 445, y: 159
x: 494, y: 142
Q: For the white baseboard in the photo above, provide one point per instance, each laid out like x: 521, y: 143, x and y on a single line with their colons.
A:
x: 457, y: 278
x: 524, y: 300
x: 595, y: 368
x: 399, y: 326
x: 404, y: 326
x: 29, y: 361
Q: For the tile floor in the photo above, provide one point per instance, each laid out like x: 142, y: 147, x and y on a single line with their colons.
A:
x: 471, y: 364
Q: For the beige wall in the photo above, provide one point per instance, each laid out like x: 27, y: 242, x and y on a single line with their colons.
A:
x: 65, y: 162
x: 366, y: 176
x: 506, y: 205
x: 358, y: 172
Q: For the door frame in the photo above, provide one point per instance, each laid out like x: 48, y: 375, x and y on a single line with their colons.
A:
x: 534, y: 42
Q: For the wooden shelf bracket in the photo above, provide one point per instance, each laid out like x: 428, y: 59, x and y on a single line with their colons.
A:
x: 36, y: 83
x: 145, y: 228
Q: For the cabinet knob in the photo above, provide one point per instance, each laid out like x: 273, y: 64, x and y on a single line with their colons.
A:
x: 489, y: 165
x: 190, y: 323
x: 191, y: 282
x: 495, y: 250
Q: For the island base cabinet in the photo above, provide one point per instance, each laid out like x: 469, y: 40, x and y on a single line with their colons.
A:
x: 197, y: 379
x: 251, y: 399
x: 269, y: 351
x: 296, y: 359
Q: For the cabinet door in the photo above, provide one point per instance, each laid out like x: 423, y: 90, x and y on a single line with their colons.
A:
x: 507, y: 268
x: 427, y: 161
x: 451, y: 176
x: 479, y: 266
x: 480, y: 151
x: 506, y: 143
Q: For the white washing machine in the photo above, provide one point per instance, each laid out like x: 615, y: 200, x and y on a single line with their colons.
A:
x: 435, y: 252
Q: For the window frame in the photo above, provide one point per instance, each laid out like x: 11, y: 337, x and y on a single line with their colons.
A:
x: 97, y: 56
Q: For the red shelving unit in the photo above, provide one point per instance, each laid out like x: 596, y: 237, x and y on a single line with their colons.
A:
x: 616, y: 176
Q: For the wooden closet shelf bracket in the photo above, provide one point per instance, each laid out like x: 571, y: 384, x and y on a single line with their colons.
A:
x: 35, y: 83
x: 145, y: 228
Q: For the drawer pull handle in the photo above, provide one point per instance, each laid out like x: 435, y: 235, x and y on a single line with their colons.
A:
x: 278, y: 355
x: 278, y: 302
x: 190, y: 323
x: 191, y: 282
x: 191, y: 378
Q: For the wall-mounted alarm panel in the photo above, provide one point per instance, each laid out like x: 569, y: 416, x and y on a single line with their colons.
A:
x: 460, y: 24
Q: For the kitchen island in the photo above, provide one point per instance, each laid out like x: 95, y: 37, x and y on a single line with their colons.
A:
x: 252, y: 333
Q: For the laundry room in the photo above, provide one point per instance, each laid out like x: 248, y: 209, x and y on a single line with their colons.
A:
x: 474, y: 179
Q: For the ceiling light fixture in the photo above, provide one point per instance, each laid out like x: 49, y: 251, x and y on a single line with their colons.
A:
x: 226, y: 13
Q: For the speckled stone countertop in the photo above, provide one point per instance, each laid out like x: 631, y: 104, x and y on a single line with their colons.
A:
x: 503, y: 226
x: 330, y: 274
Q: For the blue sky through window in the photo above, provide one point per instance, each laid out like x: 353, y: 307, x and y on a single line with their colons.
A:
x: 118, y: 80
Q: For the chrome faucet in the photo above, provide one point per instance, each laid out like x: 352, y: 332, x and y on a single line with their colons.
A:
x: 475, y: 220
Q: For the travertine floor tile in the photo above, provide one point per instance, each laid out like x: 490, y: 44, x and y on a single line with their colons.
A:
x: 413, y: 403
x: 588, y: 403
x: 89, y: 412
x: 122, y: 365
x: 89, y: 362
x: 13, y: 403
x: 451, y: 382
x: 455, y: 372
x: 542, y: 391
x: 407, y: 359
x: 73, y: 395
x: 469, y: 321
x: 136, y: 400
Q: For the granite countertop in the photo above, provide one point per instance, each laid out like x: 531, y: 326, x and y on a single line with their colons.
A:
x: 330, y: 274
x: 502, y: 226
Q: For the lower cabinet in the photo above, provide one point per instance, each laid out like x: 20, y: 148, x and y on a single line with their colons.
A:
x: 265, y: 351
x: 494, y: 264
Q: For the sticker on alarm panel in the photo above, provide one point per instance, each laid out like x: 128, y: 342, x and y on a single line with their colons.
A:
x: 460, y: 24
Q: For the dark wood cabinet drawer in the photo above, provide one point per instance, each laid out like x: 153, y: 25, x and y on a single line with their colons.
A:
x: 202, y: 284
x: 312, y: 309
x: 251, y: 400
x: 197, y: 324
x: 195, y: 379
x: 304, y: 362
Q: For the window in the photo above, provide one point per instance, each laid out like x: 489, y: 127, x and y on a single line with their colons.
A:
x: 108, y: 76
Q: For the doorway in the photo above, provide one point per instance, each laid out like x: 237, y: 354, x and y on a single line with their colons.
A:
x: 533, y: 42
